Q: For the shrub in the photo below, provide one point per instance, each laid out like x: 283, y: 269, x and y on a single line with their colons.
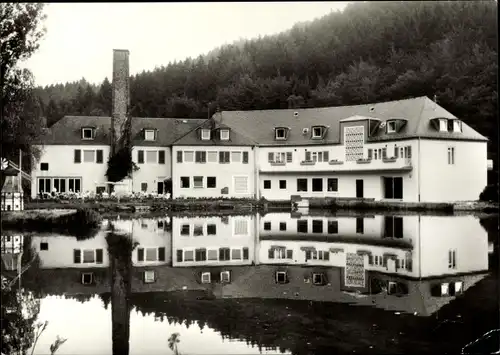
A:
x: 490, y: 193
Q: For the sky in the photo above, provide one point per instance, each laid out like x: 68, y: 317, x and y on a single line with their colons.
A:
x: 80, y: 37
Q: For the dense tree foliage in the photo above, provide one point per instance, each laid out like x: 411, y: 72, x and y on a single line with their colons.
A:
x: 369, y: 52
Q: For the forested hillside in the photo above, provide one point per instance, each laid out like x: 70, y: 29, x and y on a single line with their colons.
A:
x: 369, y: 52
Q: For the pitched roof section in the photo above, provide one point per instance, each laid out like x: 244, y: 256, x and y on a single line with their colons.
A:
x: 235, y: 137
x: 259, y: 124
x: 67, y: 131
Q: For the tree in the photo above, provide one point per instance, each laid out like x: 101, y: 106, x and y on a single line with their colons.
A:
x: 20, y: 33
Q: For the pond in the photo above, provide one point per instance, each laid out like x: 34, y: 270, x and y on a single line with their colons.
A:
x: 252, y: 284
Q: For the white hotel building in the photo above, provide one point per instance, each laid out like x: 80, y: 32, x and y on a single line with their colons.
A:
x: 408, y: 150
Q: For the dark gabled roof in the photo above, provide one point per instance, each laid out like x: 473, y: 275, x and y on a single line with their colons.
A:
x: 259, y: 124
x: 235, y: 137
x: 67, y: 131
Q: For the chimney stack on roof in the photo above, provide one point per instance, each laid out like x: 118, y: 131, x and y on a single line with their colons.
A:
x: 120, y: 94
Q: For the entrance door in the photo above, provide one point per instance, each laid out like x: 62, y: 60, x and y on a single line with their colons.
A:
x: 359, y: 189
x: 160, y: 187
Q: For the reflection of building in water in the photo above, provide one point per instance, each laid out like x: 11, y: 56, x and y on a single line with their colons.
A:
x: 12, y: 247
x: 226, y: 240
x: 152, y: 235
x: 412, y: 263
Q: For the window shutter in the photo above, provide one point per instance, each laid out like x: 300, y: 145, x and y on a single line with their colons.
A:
x: 161, y: 157
x: 370, y: 153
x: 409, y: 151
x: 245, y: 254
x: 308, y: 255
x: 78, y: 156
x: 245, y: 157
x: 99, y: 156
x: 396, y: 151
x: 161, y: 254
x: 326, y: 156
x: 270, y: 157
x: 179, y: 255
x: 98, y: 256
x: 288, y: 157
x: 326, y: 255
x: 221, y: 157
x: 289, y: 254
x: 179, y: 156
x: 140, y: 156
x: 308, y: 156
x: 140, y: 254
x: 271, y: 254
x: 77, y: 258
x: 384, y: 153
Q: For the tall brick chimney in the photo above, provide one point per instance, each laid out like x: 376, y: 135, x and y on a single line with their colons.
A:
x: 120, y: 94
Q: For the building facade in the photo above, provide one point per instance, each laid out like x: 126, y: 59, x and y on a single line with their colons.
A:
x: 410, y: 150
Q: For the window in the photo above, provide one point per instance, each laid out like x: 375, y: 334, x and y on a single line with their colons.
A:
x: 179, y: 255
x: 245, y: 157
x: 354, y: 138
x: 391, y: 126
x: 452, y: 259
x: 144, y: 186
x: 318, y: 156
x: 77, y: 156
x: 88, y: 156
x: 179, y: 156
x: 87, y: 133
x: 267, y: 226
x: 393, y: 227
x: 74, y: 184
x: 197, y: 230
x: 211, y: 229
x: 317, y: 185
x: 205, y: 134
x: 301, y: 185
x: 457, y: 126
x: 360, y: 225
x: 317, y: 226
x: 282, y: 226
x: 44, y: 166
x: 44, y: 185
x: 44, y: 246
x: 88, y: 256
x: 317, y: 132
x: 200, y: 157
x: 236, y: 254
x: 149, y: 135
x: 198, y: 181
x: 224, y: 134
x: 236, y: 157
x: 211, y: 182
x: 333, y: 227
x: 393, y: 187
x: 99, y: 156
x: 245, y: 253
x: 140, y: 156
x: 289, y: 157
x: 212, y: 157
x: 161, y: 157
x: 332, y: 184
x: 151, y: 156
x: 188, y: 255
x: 450, y: 125
x: 442, y: 125
x: 451, y: 155
x: 267, y: 184
x: 280, y: 133
x: 281, y: 277
x: 224, y: 157
x: 282, y: 184
x: 224, y: 254
x: 302, y: 226
x: 189, y: 156
x: 212, y: 255
x: 240, y: 184
x: 60, y: 184
x: 184, y: 182
x: 201, y: 254
x: 185, y: 229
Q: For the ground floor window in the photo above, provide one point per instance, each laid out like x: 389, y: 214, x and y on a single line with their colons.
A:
x: 317, y: 185
x: 184, y: 182
x: 144, y: 186
x: 211, y: 182
x: 282, y: 184
x: 360, y: 225
x: 198, y: 181
x: 267, y: 184
x: 333, y: 227
x: 302, y: 226
x: 393, y: 187
x: 333, y: 184
x: 317, y: 226
x: 60, y: 184
x: 393, y: 227
x: 240, y: 184
x: 301, y: 185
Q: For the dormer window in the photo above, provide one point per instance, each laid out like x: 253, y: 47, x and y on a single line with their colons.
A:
x: 391, y: 126
x: 317, y: 132
x: 457, y: 126
x: 224, y: 134
x: 88, y: 133
x: 149, y: 134
x: 280, y: 133
x: 205, y: 134
x: 443, y: 125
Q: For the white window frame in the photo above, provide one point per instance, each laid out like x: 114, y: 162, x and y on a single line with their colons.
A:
x: 149, y: 132
x: 194, y: 182
x: 276, y: 135
x: 86, y: 129
x: 225, y: 276
x: 224, y: 134
x: 149, y: 153
x: 205, y: 278
x: 236, y: 154
x: 391, y: 126
x: 247, y: 232
x: 89, y: 150
x: 457, y: 126
x: 212, y: 154
x: 315, y: 129
x: 205, y: 134
x: 185, y: 155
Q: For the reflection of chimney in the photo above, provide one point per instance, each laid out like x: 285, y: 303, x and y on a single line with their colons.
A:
x: 120, y: 94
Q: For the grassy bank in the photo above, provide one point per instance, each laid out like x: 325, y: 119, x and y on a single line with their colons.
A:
x: 79, y: 222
